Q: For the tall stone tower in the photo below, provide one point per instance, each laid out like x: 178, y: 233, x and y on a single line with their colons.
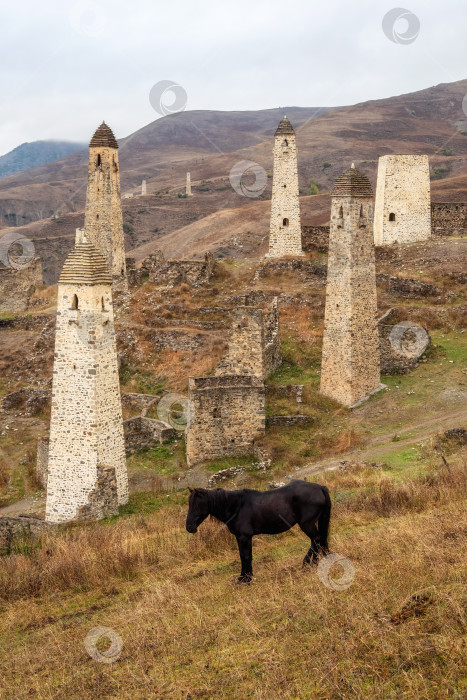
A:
x: 144, y: 188
x: 87, y: 476
x: 350, y: 369
x: 285, y: 235
x: 403, y: 201
x: 103, y: 214
x: 188, y: 184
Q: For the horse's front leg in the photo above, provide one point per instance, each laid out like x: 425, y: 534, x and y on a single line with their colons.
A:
x: 245, y: 547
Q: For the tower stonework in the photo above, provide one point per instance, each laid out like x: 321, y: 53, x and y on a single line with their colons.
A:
x: 87, y: 475
x: 188, y: 184
x: 144, y: 188
x: 350, y: 367
x: 403, y: 202
x: 285, y: 235
x: 103, y: 214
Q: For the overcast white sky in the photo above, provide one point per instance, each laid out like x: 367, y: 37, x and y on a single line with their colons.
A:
x: 67, y: 64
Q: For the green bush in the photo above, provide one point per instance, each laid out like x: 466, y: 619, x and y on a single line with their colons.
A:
x: 128, y: 228
x: 313, y: 188
x: 439, y: 173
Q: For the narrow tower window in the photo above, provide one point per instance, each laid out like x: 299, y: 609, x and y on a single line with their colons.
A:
x: 361, y: 211
x: 392, y: 217
x: 285, y: 222
x: 285, y: 143
x: 74, y: 303
x: 99, y: 162
x: 341, y: 213
x: 102, y: 304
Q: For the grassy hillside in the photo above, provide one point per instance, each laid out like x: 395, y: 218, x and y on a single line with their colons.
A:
x: 189, y: 631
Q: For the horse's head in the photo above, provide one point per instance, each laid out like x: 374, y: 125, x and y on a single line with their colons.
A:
x: 198, y: 509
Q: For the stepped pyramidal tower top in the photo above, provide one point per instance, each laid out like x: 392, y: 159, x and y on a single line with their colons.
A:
x: 285, y: 234
x: 285, y: 127
x: 85, y: 265
x: 103, y: 223
x: 352, y: 183
x: 350, y: 366
x: 103, y: 136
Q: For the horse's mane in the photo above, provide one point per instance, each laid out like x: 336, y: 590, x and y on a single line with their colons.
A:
x: 218, y: 503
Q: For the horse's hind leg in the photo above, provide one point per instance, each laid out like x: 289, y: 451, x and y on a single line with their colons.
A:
x: 245, y: 549
x: 312, y: 531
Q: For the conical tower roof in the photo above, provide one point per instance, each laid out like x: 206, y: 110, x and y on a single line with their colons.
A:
x: 103, y: 136
x: 85, y: 265
x: 285, y: 127
x: 352, y: 183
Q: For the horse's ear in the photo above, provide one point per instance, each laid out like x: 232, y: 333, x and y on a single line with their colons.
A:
x: 190, y: 489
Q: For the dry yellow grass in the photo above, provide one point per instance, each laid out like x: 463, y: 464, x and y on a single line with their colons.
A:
x: 189, y: 631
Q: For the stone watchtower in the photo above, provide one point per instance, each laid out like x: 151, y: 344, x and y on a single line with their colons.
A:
x: 403, y: 200
x: 285, y: 235
x: 350, y: 369
x: 87, y: 476
x: 103, y: 215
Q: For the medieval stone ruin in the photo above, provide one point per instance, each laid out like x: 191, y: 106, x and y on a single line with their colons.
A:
x: 350, y: 366
x: 227, y: 411
x: 18, y: 284
x: 172, y: 272
x: 188, y: 185
x: 87, y: 475
x: 103, y: 221
x: 254, y: 345
x: 402, y: 202
x: 285, y: 236
x: 83, y: 464
x: 226, y: 415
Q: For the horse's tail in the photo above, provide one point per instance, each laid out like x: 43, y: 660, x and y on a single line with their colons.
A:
x: 324, y: 520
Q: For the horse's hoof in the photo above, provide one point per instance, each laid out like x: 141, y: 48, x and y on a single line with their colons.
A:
x: 246, y: 578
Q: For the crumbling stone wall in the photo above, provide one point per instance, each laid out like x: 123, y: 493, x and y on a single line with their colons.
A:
x: 12, y: 527
x: 306, y: 269
x: 173, y: 272
x: 18, y: 285
x: 315, y: 238
x: 141, y: 432
x: 289, y: 420
x: 289, y: 391
x: 226, y: 415
x: 285, y: 236
x: 254, y: 345
x: 401, y: 343
x: 449, y: 218
x: 102, y: 501
x: 139, y: 402
x: 26, y: 401
x: 402, y: 202
x: 405, y: 287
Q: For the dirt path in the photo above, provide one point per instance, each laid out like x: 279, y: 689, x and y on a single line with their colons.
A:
x: 423, y: 430
x: 25, y: 506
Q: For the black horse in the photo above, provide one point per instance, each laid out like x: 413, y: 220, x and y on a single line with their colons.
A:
x: 247, y: 512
